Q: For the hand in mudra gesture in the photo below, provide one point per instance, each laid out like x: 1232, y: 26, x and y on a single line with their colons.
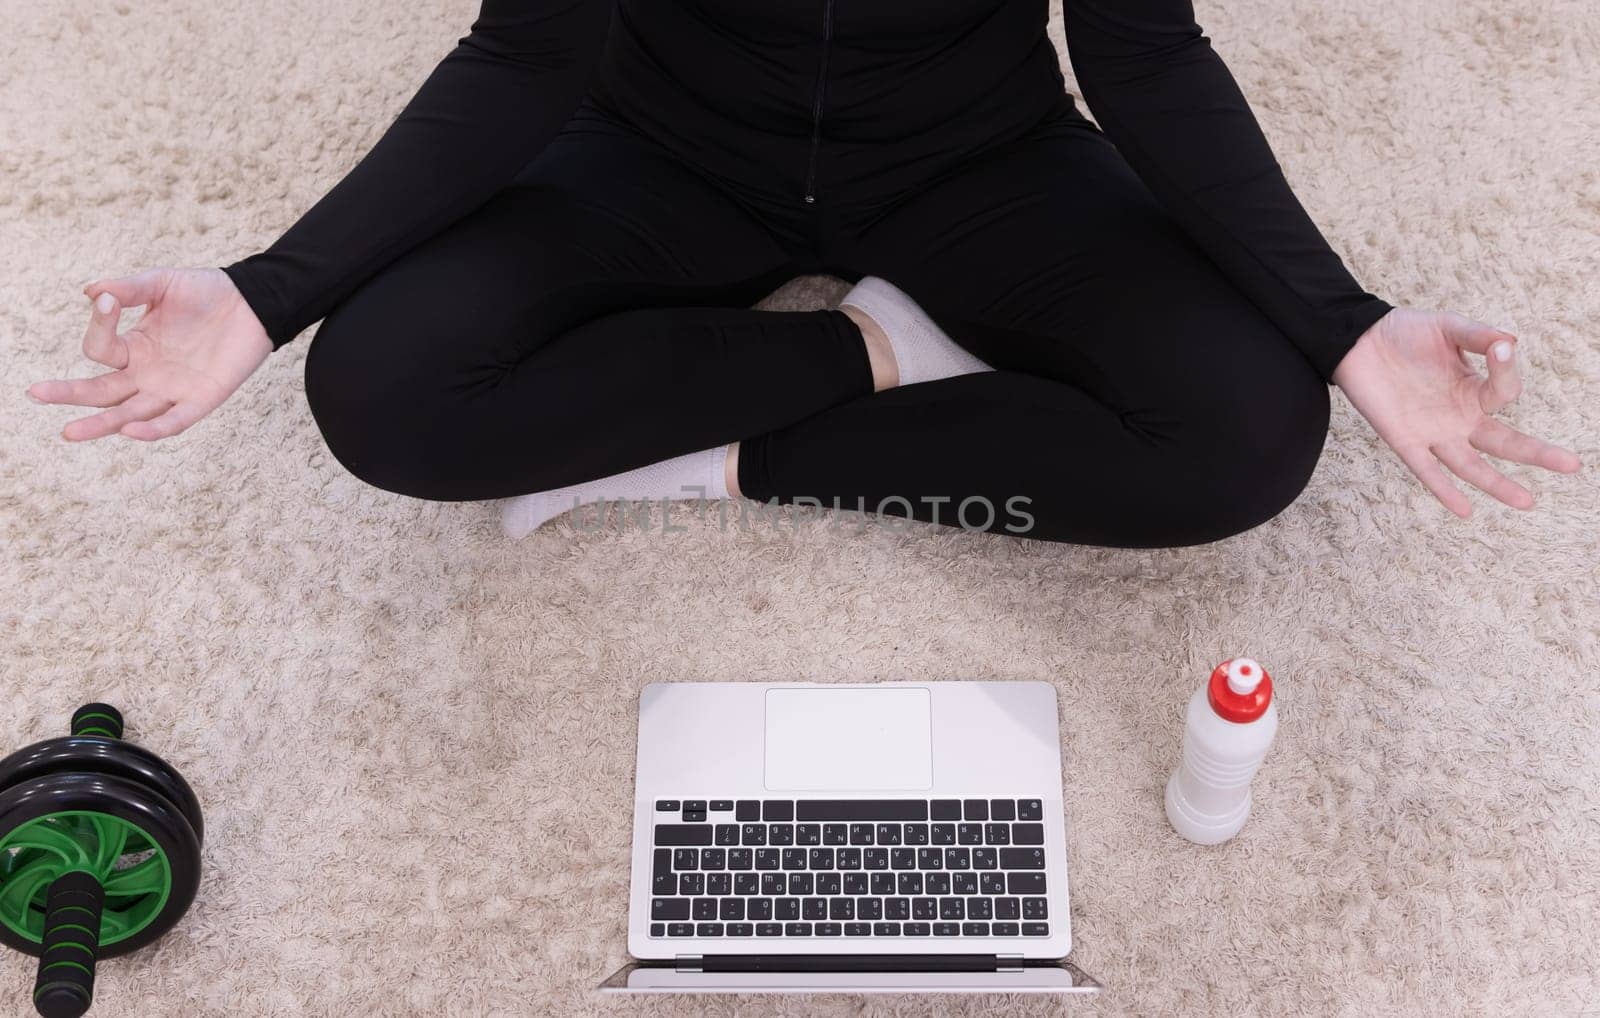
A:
x: 195, y: 344
x: 1409, y: 377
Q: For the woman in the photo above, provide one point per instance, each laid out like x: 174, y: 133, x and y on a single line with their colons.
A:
x: 540, y: 277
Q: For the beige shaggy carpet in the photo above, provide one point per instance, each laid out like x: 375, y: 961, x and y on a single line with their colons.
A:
x: 415, y: 740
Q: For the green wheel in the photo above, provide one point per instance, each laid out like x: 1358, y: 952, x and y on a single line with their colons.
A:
x: 137, y: 844
x: 95, y: 754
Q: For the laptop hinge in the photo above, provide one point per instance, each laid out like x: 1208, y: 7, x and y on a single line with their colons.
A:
x: 855, y: 963
x: 690, y: 963
x: 1008, y: 963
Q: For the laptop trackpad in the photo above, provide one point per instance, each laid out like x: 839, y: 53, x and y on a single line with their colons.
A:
x: 846, y: 740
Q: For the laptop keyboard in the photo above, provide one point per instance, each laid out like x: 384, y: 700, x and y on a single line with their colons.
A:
x: 848, y: 868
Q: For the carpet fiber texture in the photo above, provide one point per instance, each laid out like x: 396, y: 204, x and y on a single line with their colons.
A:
x: 415, y: 739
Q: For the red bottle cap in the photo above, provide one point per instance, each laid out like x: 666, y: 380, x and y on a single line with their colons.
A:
x: 1240, y: 690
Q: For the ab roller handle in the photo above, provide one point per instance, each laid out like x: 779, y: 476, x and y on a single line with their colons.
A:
x: 65, y: 987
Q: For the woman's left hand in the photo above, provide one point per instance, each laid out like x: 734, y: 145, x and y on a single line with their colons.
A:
x: 1409, y: 377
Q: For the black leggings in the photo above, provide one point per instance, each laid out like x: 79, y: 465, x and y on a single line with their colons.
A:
x: 594, y: 317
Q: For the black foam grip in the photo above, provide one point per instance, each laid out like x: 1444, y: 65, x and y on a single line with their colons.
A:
x: 65, y: 987
x: 97, y: 719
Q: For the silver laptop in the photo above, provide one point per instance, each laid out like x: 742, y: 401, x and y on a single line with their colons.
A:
x: 897, y: 838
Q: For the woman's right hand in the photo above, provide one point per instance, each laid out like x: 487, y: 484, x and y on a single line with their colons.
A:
x: 195, y: 344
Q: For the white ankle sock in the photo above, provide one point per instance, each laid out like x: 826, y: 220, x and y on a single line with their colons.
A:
x: 921, y: 349
x: 698, y: 475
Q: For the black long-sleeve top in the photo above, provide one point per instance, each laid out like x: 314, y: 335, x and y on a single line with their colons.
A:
x: 830, y: 100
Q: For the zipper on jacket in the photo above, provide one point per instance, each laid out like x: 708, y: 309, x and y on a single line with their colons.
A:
x: 816, y: 107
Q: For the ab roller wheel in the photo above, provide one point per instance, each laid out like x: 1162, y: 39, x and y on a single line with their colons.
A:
x: 99, y: 854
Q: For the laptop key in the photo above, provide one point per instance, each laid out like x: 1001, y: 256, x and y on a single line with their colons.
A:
x: 925, y: 908
x: 885, y: 929
x: 997, y: 834
x: 985, y: 859
x: 897, y: 908
x: 786, y: 909
x: 930, y: 859
x: 855, y: 883
x: 758, y: 909
x: 721, y: 805
x: 910, y: 883
x: 964, y: 883
x: 1005, y: 929
x: 705, y: 909
x: 936, y: 883
x: 857, y: 929
x: 754, y: 834
x: 768, y: 858
x: 862, y: 834
x: 1007, y: 908
x: 1030, y: 809
x: 713, y: 858
x: 888, y: 834
x: 916, y: 929
x: 808, y: 834
x: 957, y: 858
x: 947, y: 929
x: 769, y: 929
x: 946, y: 809
x: 829, y: 883
x: 974, y: 929
x: 1025, y: 883
x: 672, y: 835
x: 903, y: 858
x: 668, y: 805
x: 780, y: 834
x: 829, y: 929
x: 773, y: 884
x: 664, y: 883
x: 869, y: 908
x: 740, y: 858
x: 944, y: 834
x: 708, y: 930
x: 691, y: 883
x: 694, y: 816
x: 882, y: 883
x: 746, y: 884
x: 680, y: 929
x: 814, y: 908
x: 848, y: 859
x: 835, y: 834
x: 1027, y: 834
x: 658, y: 929
x: 975, y: 809
x: 797, y: 929
x: 952, y: 908
x: 794, y: 858
x: 821, y: 858
x: 875, y: 858
x: 727, y: 834
x: 780, y: 810
x: 747, y: 811
x: 916, y: 834
x: 731, y: 909
x: 1035, y: 908
x: 969, y: 834
x: 669, y: 909
x: 686, y: 859
x: 992, y: 883
x: 1035, y: 929
x: 842, y: 908
x: 1022, y: 858
x: 694, y: 805
x: 719, y: 885
x: 981, y: 908
x: 1003, y: 809
x: 740, y: 930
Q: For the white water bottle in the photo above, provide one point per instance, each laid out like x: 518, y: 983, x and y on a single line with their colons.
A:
x: 1230, y: 724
